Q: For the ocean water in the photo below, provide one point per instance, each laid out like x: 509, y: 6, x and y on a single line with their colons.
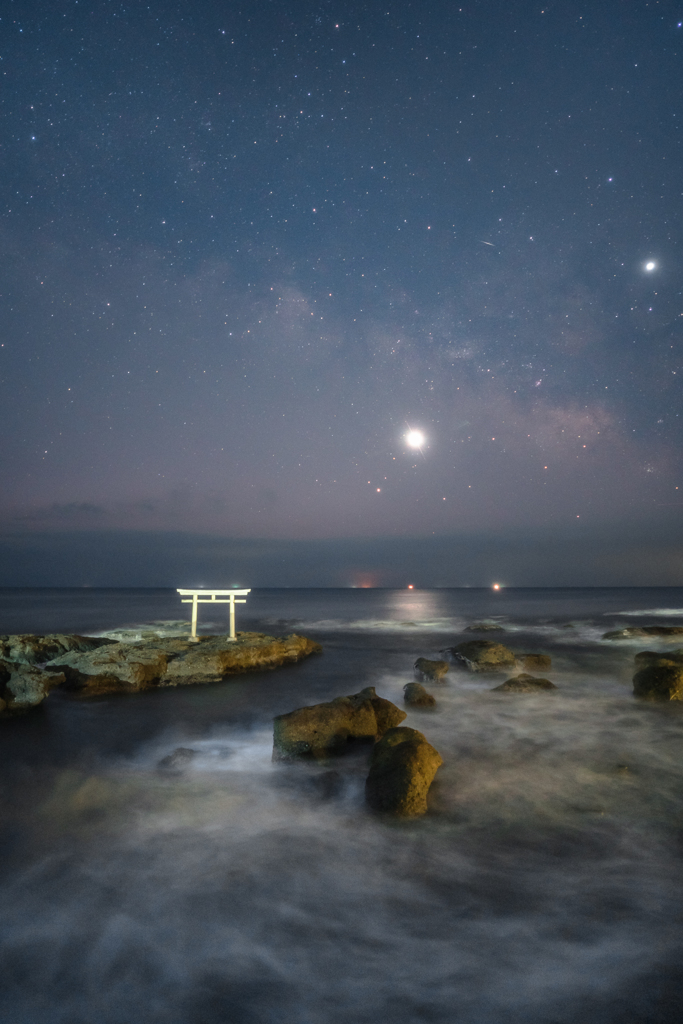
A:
x: 544, y: 885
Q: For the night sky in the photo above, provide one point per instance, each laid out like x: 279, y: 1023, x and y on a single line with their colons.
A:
x: 247, y: 247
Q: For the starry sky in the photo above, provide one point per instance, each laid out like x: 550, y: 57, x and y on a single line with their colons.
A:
x: 246, y: 247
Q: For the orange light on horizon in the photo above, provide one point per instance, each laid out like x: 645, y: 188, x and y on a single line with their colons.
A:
x: 496, y: 586
x: 410, y: 586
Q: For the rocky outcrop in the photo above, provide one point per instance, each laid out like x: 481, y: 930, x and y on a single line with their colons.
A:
x: 323, y: 729
x: 30, y: 649
x: 634, y: 632
x: 535, y: 662
x: 524, y: 683
x: 482, y: 656
x: 23, y: 687
x: 415, y: 695
x: 177, y: 661
x: 402, y: 769
x: 659, y: 676
x: 430, y: 671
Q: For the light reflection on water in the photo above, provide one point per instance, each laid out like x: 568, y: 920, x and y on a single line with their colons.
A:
x: 544, y: 885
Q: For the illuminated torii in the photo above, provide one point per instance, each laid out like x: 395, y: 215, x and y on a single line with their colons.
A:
x: 231, y: 597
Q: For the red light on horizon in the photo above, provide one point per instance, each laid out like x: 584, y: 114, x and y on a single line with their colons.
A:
x: 410, y: 586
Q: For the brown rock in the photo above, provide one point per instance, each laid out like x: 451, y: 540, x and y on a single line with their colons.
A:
x: 644, y: 659
x: 535, y: 662
x: 659, y: 682
x: 432, y: 671
x: 401, y: 771
x: 524, y: 683
x: 322, y: 729
x: 416, y: 696
x: 176, y: 661
x: 482, y: 656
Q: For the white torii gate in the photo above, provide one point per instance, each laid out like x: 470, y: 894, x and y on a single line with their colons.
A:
x: 231, y: 597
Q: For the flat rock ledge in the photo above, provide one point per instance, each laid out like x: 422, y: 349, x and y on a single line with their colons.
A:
x: 635, y: 632
x: 323, y: 729
x: 402, y: 769
x: 176, y: 661
x: 482, y: 656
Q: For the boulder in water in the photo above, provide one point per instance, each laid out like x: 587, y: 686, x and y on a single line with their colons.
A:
x: 416, y: 696
x: 323, y: 729
x: 401, y: 771
x: 482, y: 656
x: 535, y: 662
x: 524, y: 683
x: 431, y: 671
x: 659, y: 675
x: 178, y: 761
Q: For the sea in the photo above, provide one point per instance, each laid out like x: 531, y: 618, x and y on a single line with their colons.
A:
x: 544, y: 885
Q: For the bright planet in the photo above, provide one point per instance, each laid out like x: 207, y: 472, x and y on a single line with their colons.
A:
x: 651, y: 265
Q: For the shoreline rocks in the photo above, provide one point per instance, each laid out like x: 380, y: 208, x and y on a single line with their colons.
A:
x: 323, y: 729
x: 415, y: 695
x: 524, y: 683
x: 402, y: 769
x: 482, y: 656
x: 23, y: 687
x: 430, y: 671
x: 177, y: 661
x: 659, y: 676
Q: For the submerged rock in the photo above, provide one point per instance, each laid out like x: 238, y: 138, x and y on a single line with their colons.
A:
x: 416, y: 696
x: 322, y: 729
x: 535, y: 661
x: 178, y: 661
x: 31, y: 649
x: 633, y: 632
x: 482, y: 656
x: 524, y: 683
x: 401, y: 771
x: 433, y: 671
x: 484, y: 627
x: 644, y: 659
x: 176, y: 762
x: 23, y: 687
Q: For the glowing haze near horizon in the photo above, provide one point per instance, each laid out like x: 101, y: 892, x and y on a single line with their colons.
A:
x: 248, y: 249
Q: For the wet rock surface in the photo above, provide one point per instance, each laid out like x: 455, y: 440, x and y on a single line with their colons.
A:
x: 535, y: 662
x: 23, y: 687
x: 482, y: 656
x: 633, y: 632
x: 415, y: 695
x: 524, y: 683
x: 31, y: 649
x: 430, y: 671
x: 177, y: 661
x: 323, y: 729
x: 659, y: 676
x: 402, y: 769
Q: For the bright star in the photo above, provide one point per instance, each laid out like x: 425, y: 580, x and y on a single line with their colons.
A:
x: 415, y: 438
x: 651, y: 266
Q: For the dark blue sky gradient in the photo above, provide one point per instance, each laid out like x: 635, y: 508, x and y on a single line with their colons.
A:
x: 245, y: 246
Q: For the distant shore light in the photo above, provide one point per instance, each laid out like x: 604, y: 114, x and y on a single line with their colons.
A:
x: 410, y: 586
x: 496, y: 586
